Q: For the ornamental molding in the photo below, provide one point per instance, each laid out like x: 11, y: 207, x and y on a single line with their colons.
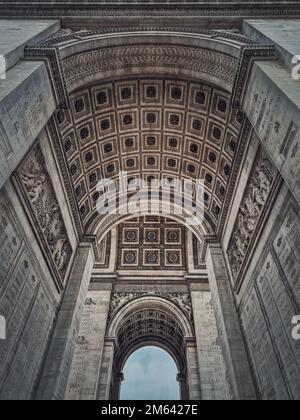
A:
x: 69, y: 36
x: 53, y: 63
x: 243, y: 141
x: 182, y: 300
x: 55, y: 140
x: 249, y: 54
x: 102, y: 60
x: 121, y: 9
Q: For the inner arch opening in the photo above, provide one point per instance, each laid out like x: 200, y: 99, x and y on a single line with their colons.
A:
x: 150, y: 373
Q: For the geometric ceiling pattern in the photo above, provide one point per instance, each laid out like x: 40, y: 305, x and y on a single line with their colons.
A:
x: 151, y: 323
x: 151, y: 243
x: 152, y: 129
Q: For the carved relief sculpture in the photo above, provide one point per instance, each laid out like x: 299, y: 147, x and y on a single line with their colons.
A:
x: 182, y: 300
x: 38, y: 187
x: 254, y: 200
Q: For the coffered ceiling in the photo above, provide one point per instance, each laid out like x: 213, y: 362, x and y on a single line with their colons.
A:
x: 151, y: 243
x: 150, y: 128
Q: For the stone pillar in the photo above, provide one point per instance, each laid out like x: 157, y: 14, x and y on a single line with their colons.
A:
x: 228, y: 326
x: 55, y: 375
x: 193, y: 370
x: 106, y: 371
x: 184, y: 390
x: 212, y: 367
x: 85, y: 370
x: 116, y: 386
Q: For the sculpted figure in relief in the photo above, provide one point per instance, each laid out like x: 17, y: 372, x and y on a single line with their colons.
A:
x: 253, y: 203
x: 37, y: 184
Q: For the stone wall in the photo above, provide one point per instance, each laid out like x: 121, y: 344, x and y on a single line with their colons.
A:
x: 212, y: 369
x: 267, y: 295
x: 28, y: 302
x: 268, y: 305
x: 84, y: 375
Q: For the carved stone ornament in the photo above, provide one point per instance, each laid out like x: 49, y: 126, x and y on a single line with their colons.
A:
x: 38, y: 188
x: 107, y: 59
x: 255, y: 198
x: 182, y: 300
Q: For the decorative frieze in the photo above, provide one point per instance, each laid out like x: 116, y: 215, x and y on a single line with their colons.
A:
x: 81, y: 66
x: 182, y: 300
x: 37, y: 186
x: 118, y: 10
x: 253, y: 203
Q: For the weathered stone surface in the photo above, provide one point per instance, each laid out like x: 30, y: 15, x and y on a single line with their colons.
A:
x: 269, y: 304
x: 272, y: 104
x: 284, y: 34
x: 58, y: 363
x: 15, y: 35
x: 228, y: 326
x: 212, y: 367
x: 28, y: 305
x: 227, y: 344
x: 26, y: 104
x: 255, y: 199
x: 84, y: 375
x: 40, y: 192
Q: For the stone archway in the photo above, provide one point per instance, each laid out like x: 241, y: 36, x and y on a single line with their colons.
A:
x: 126, y: 117
x: 180, y: 100
x: 150, y: 320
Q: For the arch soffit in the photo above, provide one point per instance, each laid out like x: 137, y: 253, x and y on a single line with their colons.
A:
x: 150, y: 302
x: 103, y: 225
x: 209, y: 58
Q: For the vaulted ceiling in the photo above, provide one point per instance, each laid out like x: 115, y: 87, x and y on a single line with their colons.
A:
x: 150, y: 128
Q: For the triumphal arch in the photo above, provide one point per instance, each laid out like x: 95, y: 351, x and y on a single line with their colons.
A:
x: 155, y: 92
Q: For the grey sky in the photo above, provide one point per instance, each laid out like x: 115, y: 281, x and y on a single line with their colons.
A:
x: 150, y: 374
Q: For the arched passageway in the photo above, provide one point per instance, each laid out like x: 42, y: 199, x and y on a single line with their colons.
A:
x: 149, y: 321
x: 150, y: 373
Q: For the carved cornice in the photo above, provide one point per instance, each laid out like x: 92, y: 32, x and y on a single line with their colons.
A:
x: 123, y: 9
x: 55, y: 70
x: 81, y: 66
x: 67, y: 35
x: 249, y: 54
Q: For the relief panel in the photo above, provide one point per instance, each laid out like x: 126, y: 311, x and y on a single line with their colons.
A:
x: 269, y: 308
x: 253, y: 204
x: 26, y: 307
x: 38, y: 188
x: 287, y: 249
